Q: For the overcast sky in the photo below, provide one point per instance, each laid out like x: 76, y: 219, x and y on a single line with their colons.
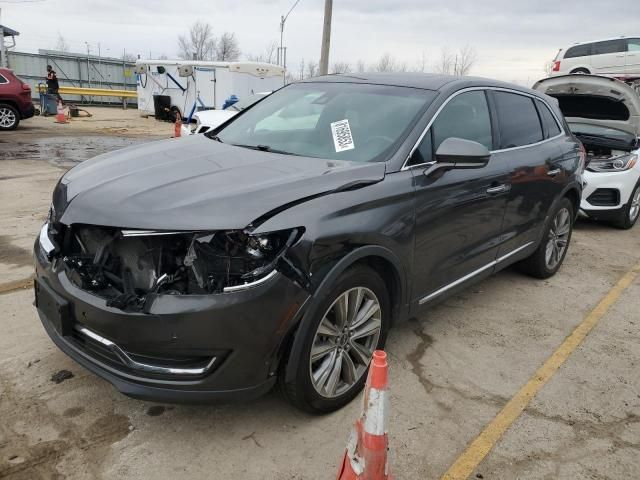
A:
x: 513, y: 39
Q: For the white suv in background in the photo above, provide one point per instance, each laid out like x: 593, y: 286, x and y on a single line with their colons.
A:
x: 604, y: 114
x: 616, y: 56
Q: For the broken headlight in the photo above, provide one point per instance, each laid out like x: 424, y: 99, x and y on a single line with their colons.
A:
x: 613, y: 164
x: 126, y: 266
x: 227, y: 260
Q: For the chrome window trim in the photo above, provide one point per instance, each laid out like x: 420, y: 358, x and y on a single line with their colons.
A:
x: 461, y: 280
x: 472, y: 89
x: 144, y: 367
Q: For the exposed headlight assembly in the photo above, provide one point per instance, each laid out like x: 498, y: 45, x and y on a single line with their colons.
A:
x: 613, y: 164
x: 126, y: 266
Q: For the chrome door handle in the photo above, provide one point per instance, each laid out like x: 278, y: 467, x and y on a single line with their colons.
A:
x: 499, y: 189
x: 554, y: 172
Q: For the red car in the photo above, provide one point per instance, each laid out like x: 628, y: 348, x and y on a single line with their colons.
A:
x: 15, y: 100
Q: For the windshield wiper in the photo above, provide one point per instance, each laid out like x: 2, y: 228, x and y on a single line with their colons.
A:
x: 264, y: 148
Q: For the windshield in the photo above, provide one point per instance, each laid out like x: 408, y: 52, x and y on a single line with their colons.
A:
x: 341, y: 121
x: 247, y: 102
x: 601, y: 131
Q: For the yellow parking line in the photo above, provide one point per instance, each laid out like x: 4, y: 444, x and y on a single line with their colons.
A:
x: 483, y: 443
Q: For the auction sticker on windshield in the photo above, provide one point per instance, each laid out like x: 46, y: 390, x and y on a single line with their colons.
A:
x: 342, y: 138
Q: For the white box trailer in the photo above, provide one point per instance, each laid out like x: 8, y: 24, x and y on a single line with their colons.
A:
x: 195, y: 85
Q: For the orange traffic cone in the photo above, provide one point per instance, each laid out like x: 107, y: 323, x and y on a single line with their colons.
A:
x: 366, y: 455
x: 60, y: 115
x: 177, y: 132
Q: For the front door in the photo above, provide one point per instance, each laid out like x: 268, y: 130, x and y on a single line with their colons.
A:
x: 459, y: 212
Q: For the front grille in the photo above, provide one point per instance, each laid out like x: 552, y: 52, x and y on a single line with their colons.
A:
x: 604, y: 197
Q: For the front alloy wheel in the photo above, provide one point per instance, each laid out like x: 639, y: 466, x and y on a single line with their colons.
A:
x: 345, y: 341
x: 327, y: 363
x: 631, y: 211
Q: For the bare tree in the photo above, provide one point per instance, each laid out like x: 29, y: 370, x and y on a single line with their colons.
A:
x: 312, y: 69
x: 341, y: 67
x: 388, y: 63
x: 421, y: 65
x: 269, y: 55
x: 227, y: 48
x: 361, y: 67
x: 199, y: 44
x: 61, y: 44
x: 465, y: 60
x: 130, y: 57
x: 163, y: 56
x: 459, y: 64
x: 445, y: 63
x: 301, y: 72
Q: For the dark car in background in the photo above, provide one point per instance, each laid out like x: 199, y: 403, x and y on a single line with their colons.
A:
x: 217, y: 266
x: 15, y: 100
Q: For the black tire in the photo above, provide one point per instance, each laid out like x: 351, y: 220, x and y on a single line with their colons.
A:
x: 301, y: 391
x: 580, y: 71
x: 626, y: 220
x: 537, y: 265
x: 9, y: 117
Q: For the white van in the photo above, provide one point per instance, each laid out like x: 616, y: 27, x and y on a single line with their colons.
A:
x: 617, y: 56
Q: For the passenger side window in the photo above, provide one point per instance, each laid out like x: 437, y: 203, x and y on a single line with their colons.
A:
x: 518, y: 120
x: 466, y: 116
x: 3, y: 80
x: 633, y: 45
x: 579, y: 51
x: 610, y: 46
x: 548, y: 120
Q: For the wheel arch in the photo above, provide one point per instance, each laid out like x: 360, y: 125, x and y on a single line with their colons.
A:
x: 381, y: 260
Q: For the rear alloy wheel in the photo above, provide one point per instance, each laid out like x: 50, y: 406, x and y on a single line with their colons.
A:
x: 9, y: 117
x: 548, y: 258
x: 631, y: 211
x: 338, y: 342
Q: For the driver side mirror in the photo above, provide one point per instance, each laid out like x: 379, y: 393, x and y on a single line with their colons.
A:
x: 458, y: 153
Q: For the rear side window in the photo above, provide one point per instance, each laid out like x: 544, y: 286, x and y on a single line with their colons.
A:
x: 3, y: 80
x: 610, y: 46
x: 633, y: 45
x: 548, y: 120
x: 466, y: 116
x: 579, y: 51
x: 518, y: 120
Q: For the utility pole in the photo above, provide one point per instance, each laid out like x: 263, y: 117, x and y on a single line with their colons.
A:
x: 326, y: 38
x: 282, y: 51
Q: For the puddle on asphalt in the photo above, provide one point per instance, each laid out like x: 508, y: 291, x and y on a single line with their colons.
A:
x: 65, y: 151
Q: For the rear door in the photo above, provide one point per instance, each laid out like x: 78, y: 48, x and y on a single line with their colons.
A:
x: 633, y: 57
x: 609, y: 56
x: 535, y: 162
x: 458, y: 212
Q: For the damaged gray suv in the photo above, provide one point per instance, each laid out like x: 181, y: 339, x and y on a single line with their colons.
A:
x: 282, y: 246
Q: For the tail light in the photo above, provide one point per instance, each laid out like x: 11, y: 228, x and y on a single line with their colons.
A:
x: 556, y: 66
x: 26, y: 87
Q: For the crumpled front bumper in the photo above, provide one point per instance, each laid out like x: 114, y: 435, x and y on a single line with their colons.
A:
x: 237, y: 337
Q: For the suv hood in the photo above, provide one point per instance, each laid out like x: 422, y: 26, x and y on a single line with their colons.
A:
x: 198, y: 184
x: 595, y: 100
